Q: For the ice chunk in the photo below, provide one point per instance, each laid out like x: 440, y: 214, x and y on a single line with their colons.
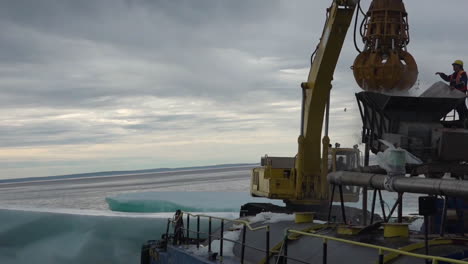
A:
x: 393, y: 159
x: 269, y: 218
x: 185, y: 201
x: 441, y: 89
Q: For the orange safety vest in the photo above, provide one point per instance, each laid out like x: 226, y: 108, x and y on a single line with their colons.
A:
x: 457, y: 80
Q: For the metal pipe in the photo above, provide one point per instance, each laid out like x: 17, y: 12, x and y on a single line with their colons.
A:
x: 445, y: 187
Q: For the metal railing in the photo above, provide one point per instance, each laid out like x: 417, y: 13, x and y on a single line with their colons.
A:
x: 381, y: 250
x: 245, y: 226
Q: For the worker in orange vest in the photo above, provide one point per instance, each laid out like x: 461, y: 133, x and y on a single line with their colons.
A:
x: 458, y: 79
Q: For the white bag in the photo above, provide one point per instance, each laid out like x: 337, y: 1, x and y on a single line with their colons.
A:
x: 393, y: 160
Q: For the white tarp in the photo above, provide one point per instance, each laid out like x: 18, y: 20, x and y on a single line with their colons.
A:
x: 441, y: 89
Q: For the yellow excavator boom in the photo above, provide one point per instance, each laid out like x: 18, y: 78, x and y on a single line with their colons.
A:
x: 311, y: 178
x: 303, y: 179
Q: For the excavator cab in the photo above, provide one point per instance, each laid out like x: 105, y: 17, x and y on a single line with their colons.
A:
x: 276, y: 177
x: 345, y: 159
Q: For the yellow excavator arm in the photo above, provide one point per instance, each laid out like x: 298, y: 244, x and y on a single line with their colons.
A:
x: 303, y: 179
x: 311, y: 175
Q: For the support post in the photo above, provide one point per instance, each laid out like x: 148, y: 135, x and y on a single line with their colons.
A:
x: 198, y: 231
x: 364, y: 205
x: 381, y: 257
x: 324, y: 253
x: 382, y: 205
x: 188, y: 228
x: 221, y: 241
x: 267, y: 249
x: 209, y: 234
x: 244, y: 229
x: 444, y: 217
x: 374, y: 198
x: 342, y: 204
x: 331, y: 202
x: 167, y: 231
x: 397, y: 203
x: 400, y: 207
x: 426, y: 236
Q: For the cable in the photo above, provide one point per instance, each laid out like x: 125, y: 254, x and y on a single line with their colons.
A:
x: 327, y: 14
x: 360, y: 9
x: 355, y: 26
x: 361, y: 27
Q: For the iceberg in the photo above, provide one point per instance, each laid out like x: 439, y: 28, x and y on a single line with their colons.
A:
x: 153, y: 202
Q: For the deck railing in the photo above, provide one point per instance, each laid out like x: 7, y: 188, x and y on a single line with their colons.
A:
x: 210, y: 236
x: 283, y: 254
x: 381, y: 250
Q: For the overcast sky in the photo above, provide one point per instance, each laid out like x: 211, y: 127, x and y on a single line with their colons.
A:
x: 120, y: 84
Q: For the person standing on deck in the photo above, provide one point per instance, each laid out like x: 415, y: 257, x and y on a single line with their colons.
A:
x: 178, y: 227
x: 458, y: 80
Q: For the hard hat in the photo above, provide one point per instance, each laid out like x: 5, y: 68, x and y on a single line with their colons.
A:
x: 458, y: 62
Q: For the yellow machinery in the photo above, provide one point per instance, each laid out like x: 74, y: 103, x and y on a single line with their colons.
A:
x: 302, y: 180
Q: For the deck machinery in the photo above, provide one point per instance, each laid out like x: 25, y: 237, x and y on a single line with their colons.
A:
x: 425, y: 126
x: 308, y: 181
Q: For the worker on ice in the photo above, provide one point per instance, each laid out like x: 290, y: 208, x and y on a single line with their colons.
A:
x: 458, y: 80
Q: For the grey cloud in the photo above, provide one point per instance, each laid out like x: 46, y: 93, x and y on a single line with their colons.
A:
x: 101, y: 56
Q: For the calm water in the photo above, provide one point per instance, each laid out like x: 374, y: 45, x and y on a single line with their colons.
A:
x: 69, y: 221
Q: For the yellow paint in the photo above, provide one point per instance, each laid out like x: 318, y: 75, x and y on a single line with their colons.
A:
x: 303, y: 217
x: 379, y: 248
x: 348, y: 230
x: 415, y: 246
x: 277, y: 248
x: 396, y: 230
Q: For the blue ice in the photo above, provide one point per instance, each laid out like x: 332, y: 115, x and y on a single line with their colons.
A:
x: 186, y: 201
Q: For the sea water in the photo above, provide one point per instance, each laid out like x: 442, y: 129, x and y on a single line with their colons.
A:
x: 76, y: 236
x: 69, y: 220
